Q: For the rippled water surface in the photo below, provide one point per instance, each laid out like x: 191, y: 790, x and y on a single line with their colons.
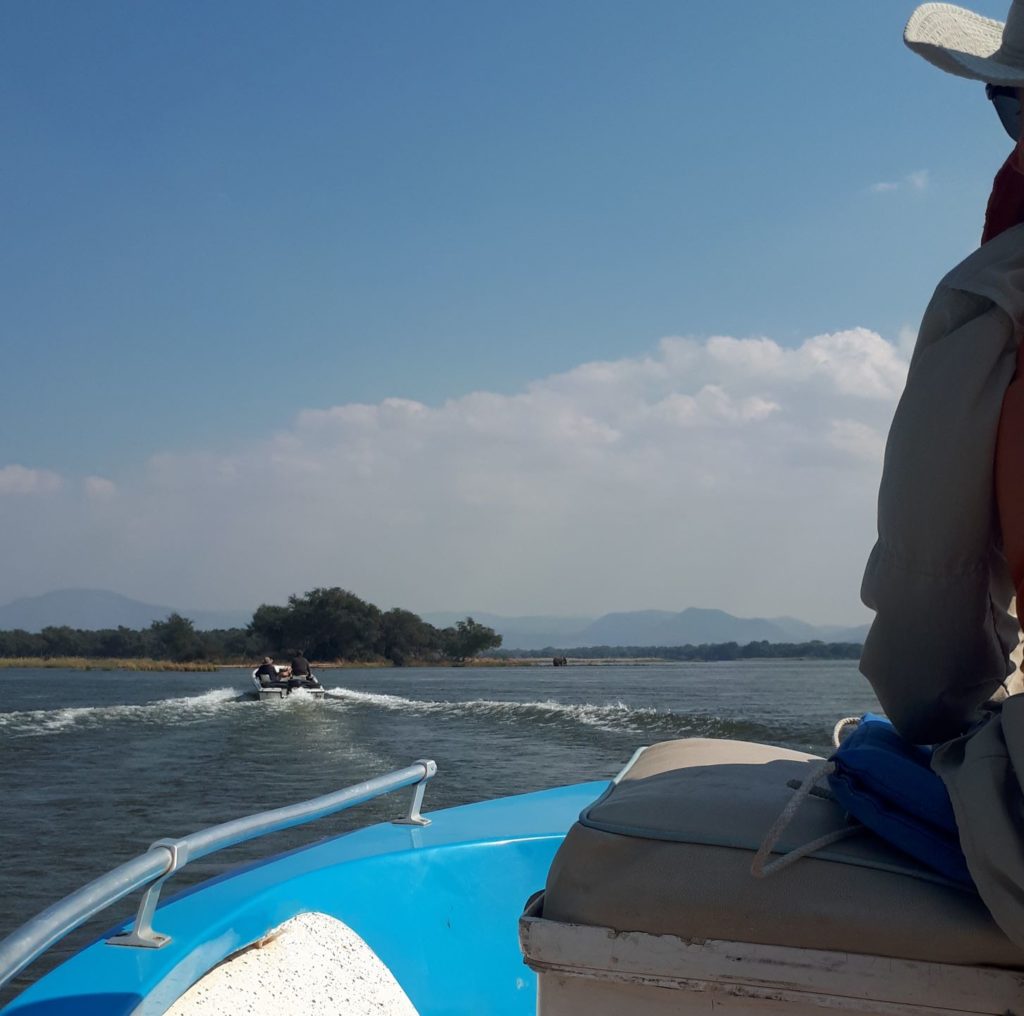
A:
x: 98, y: 765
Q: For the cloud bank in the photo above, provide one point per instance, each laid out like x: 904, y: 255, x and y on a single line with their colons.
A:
x: 724, y: 472
x: 15, y: 479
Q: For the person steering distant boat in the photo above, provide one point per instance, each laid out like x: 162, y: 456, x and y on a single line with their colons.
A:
x: 300, y: 665
x: 301, y: 674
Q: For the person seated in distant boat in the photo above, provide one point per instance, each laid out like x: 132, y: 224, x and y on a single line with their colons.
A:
x: 301, y: 673
x: 300, y: 665
x: 266, y: 672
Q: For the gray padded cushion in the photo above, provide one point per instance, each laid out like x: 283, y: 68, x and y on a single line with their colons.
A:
x: 727, y: 794
x: 667, y: 850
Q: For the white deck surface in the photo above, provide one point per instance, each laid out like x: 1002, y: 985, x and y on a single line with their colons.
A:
x: 311, y: 964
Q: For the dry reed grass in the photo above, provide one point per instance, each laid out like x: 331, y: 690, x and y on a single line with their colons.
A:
x: 81, y: 663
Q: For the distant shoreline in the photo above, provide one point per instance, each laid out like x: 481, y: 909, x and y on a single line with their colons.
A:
x: 81, y: 663
x: 167, y: 666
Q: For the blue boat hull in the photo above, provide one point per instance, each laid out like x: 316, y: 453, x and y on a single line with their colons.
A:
x: 438, y: 904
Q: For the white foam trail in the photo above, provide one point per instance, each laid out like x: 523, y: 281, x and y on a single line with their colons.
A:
x: 372, y: 698
x: 613, y: 717
x: 37, y: 722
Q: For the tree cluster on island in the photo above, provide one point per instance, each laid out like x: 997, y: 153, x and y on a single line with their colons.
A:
x: 330, y: 624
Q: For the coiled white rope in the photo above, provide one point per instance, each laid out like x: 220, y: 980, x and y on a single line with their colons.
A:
x: 837, y: 730
x: 761, y: 867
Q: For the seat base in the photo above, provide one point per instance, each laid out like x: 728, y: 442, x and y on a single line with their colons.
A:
x: 606, y: 973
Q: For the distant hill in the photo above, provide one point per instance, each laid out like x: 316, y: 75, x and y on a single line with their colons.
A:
x: 100, y: 608
x: 801, y: 631
x: 693, y: 626
x: 93, y: 609
x: 532, y: 632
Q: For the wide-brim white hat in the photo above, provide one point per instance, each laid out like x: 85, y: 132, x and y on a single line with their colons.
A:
x: 961, y: 42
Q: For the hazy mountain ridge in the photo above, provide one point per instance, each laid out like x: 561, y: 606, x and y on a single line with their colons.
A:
x: 93, y: 609
x: 99, y: 608
x: 531, y: 632
x: 692, y: 626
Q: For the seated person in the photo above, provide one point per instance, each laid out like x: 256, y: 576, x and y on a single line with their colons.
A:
x: 302, y: 675
x: 266, y: 672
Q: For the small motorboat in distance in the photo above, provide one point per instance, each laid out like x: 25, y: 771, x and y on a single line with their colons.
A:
x: 285, y: 684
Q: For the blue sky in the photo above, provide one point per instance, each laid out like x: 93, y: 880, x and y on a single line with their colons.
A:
x: 213, y: 216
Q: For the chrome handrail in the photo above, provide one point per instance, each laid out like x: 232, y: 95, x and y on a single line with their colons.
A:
x: 165, y: 857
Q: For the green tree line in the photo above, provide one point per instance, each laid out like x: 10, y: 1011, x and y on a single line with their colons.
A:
x: 328, y: 624
x: 706, y: 652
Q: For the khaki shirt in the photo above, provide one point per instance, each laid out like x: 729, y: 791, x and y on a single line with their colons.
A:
x: 938, y: 652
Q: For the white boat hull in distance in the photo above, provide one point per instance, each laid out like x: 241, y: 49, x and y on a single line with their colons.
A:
x: 285, y: 686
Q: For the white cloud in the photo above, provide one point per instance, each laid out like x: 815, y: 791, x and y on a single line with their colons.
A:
x: 855, y: 362
x: 857, y: 439
x: 16, y: 479
x: 906, y: 340
x: 728, y: 472
x: 98, y: 487
x: 919, y: 180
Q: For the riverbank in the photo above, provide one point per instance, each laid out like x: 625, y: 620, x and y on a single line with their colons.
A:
x: 81, y: 663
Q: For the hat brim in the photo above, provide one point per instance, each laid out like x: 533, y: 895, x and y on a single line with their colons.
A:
x: 960, y: 42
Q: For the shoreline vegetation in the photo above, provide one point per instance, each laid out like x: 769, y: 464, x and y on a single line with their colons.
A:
x: 81, y: 663
x: 597, y: 656
x: 708, y: 652
x: 209, y: 666
x: 338, y: 629
x: 323, y: 624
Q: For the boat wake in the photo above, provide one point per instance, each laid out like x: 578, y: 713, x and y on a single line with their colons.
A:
x: 186, y: 709
x: 614, y: 717
x: 611, y: 717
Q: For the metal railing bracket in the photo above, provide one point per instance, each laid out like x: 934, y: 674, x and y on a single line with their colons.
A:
x: 141, y: 934
x: 414, y: 817
x: 150, y: 870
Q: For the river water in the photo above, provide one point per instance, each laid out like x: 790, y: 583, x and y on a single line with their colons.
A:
x: 98, y: 765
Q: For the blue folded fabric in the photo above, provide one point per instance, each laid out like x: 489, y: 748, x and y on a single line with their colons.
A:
x: 888, y: 785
